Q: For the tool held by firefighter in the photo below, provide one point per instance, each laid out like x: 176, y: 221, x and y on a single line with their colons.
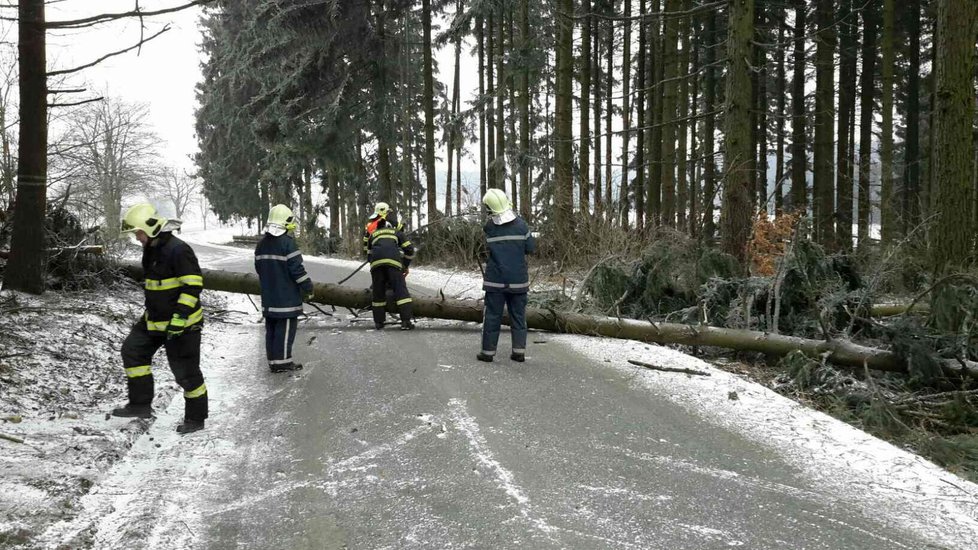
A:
x: 173, y: 319
x: 506, y: 279
x: 390, y: 253
x: 284, y: 286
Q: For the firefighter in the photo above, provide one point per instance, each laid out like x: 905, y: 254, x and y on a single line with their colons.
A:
x: 284, y: 284
x: 506, y: 281
x: 172, y: 320
x: 389, y: 253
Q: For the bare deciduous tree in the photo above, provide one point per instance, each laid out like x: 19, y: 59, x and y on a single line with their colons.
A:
x: 111, y: 153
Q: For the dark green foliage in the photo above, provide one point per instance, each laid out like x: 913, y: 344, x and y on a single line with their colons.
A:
x: 667, y: 278
x: 455, y: 241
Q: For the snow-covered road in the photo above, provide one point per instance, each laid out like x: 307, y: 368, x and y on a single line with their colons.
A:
x: 404, y: 440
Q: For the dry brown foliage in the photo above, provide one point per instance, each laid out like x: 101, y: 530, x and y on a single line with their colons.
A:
x: 769, y: 242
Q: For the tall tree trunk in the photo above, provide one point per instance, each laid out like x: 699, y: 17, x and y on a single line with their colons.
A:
x: 953, y: 238
x: 480, y: 37
x: 709, y: 131
x: 523, y: 161
x: 694, y: 93
x: 609, y: 120
x: 670, y: 59
x: 757, y: 137
x: 26, y: 267
x: 640, y: 213
x: 911, y: 175
x: 490, y: 97
x: 799, y: 146
x: 887, y: 208
x: 626, y: 113
x: 682, y: 182
x: 585, y: 133
x: 655, y: 136
x: 500, y: 167
x: 780, y: 93
x: 736, y: 215
x: 333, y: 196
x: 596, y: 106
x: 867, y: 95
x: 825, y: 124
x: 429, y: 114
x: 564, y: 190
x: 847, y: 103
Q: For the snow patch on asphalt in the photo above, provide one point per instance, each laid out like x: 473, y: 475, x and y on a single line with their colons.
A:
x: 483, y: 455
x: 842, y: 462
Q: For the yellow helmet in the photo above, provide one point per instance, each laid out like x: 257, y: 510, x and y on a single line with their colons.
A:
x: 496, y: 201
x: 281, y: 215
x: 381, y: 210
x: 143, y: 217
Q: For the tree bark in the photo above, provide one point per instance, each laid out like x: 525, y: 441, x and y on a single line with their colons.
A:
x: 523, y: 160
x: 26, y: 267
x: 736, y: 214
x: 911, y: 166
x: 867, y: 97
x: 564, y: 118
x: 799, y: 139
x: 640, y: 83
x: 670, y: 59
x: 626, y: 114
x: 952, y: 240
x: 500, y: 161
x: 584, y: 194
x: 682, y: 181
x: 709, y: 146
x: 823, y: 179
x: 429, y: 115
x: 887, y: 208
x: 840, y: 352
x: 847, y: 102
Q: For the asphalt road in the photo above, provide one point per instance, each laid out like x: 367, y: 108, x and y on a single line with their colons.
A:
x: 403, y: 440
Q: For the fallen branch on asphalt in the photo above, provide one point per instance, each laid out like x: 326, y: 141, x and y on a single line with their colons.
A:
x: 668, y: 369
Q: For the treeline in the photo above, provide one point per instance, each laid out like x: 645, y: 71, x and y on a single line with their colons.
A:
x: 689, y: 114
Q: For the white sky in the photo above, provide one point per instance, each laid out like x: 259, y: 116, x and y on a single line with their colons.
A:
x: 162, y: 75
x: 167, y: 69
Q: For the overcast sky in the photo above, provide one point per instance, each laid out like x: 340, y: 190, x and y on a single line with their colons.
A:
x: 165, y: 71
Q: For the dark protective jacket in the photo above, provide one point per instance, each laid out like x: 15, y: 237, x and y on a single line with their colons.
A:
x: 173, y: 282
x: 386, y: 244
x: 282, y: 276
x: 508, y: 245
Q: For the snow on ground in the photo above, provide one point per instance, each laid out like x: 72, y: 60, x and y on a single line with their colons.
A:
x: 888, y: 483
x: 60, y: 373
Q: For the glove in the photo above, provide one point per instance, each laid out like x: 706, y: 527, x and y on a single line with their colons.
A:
x: 406, y: 271
x: 176, y: 327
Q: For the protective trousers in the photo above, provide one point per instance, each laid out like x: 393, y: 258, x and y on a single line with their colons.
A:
x: 183, y: 354
x: 493, y: 320
x: 381, y: 277
x: 279, y: 337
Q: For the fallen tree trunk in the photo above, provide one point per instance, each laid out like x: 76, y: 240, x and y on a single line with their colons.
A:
x: 839, y: 352
x: 892, y: 310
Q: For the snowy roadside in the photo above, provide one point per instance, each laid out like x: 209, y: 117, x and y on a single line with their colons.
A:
x: 60, y: 373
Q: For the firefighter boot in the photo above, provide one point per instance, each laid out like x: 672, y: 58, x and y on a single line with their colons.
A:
x: 133, y: 411
x: 188, y: 426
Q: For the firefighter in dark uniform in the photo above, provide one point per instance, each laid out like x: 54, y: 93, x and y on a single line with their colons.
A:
x: 506, y: 280
x: 173, y: 319
x: 389, y: 253
x: 284, y: 284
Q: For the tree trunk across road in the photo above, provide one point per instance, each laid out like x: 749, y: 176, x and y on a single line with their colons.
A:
x: 839, y: 352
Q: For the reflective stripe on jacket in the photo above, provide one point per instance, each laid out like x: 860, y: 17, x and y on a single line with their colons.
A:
x: 172, y: 284
x: 387, y: 245
x: 282, y: 276
x: 508, y: 245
